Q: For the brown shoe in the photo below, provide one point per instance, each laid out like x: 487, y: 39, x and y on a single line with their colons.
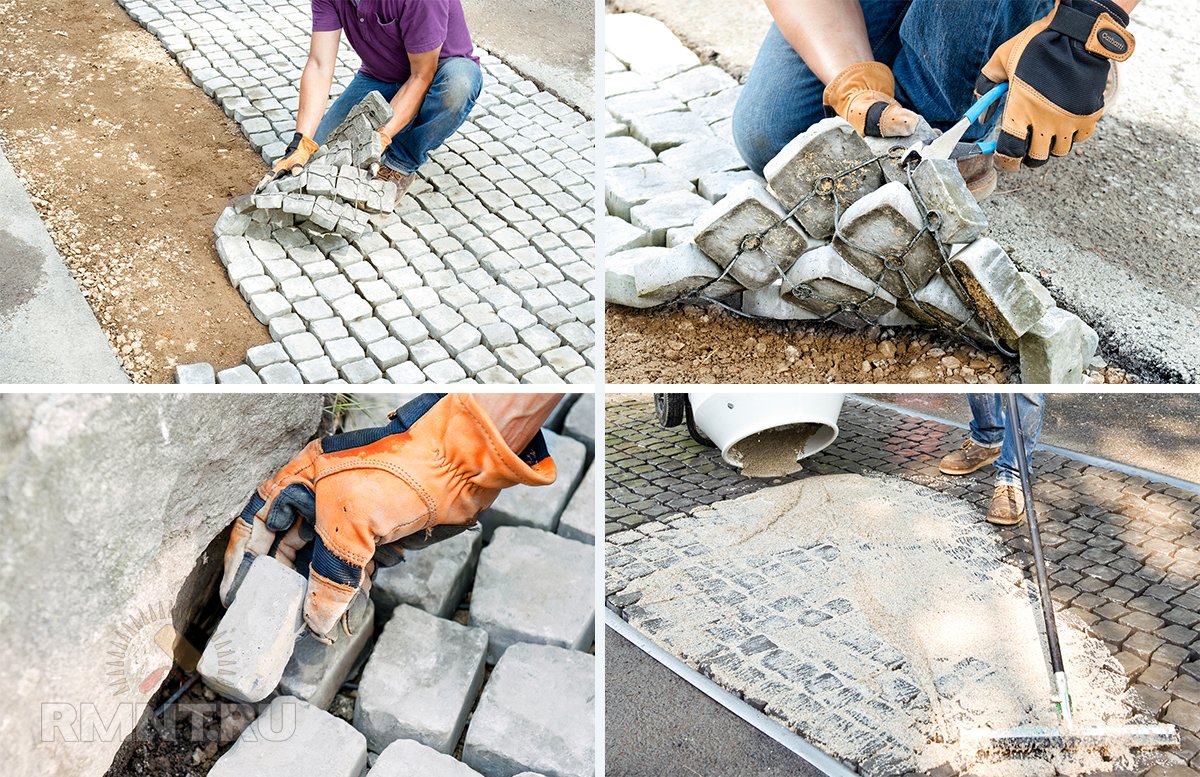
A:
x: 970, y: 457
x: 402, y: 181
x: 1008, y: 506
x: 980, y: 175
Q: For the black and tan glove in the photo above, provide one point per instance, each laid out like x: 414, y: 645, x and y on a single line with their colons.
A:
x: 865, y: 95
x: 297, y: 155
x: 1057, y: 69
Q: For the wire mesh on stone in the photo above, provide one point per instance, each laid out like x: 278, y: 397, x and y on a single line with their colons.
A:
x: 845, y: 312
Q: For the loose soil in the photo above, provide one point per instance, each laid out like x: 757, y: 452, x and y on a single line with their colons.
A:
x: 129, y: 164
x: 956, y: 647
x: 693, y: 344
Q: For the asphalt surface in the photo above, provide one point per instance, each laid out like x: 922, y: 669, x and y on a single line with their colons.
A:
x: 1112, y: 230
x: 552, y: 42
x: 645, y: 734
x: 1152, y: 431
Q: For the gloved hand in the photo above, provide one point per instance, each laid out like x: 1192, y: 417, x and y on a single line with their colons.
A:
x: 366, y: 494
x: 865, y: 95
x: 297, y: 155
x: 1057, y: 69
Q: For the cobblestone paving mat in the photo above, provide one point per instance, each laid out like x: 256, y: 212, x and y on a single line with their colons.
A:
x: 1122, y: 550
x: 482, y: 275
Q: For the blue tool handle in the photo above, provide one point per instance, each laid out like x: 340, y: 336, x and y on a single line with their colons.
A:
x: 987, y: 147
x: 986, y: 102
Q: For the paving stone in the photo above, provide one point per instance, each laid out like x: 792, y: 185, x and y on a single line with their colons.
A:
x: 578, y: 520
x: 247, y: 654
x: 828, y: 285
x: 942, y: 190
x: 319, y: 744
x: 876, y: 235
x: 262, y: 355
x: 626, y: 187
x: 407, y: 758
x: 522, y: 566
x: 361, y: 371
x: 540, y: 506
x: 667, y: 211
x: 826, y: 149
x: 239, y: 375
x: 268, y: 305
x: 445, y: 371
x: 624, y: 152
x: 750, y: 234
x: 420, y: 681
x: 997, y: 291
x: 697, y: 158
x: 434, y: 579
x: 517, y: 359
x: 646, y: 46
x: 405, y: 373
x: 317, y: 670
x: 1057, y: 349
x: 195, y: 374
x: 772, y: 302
x: 714, y: 186
x: 318, y: 370
x: 281, y: 373
x: 387, y: 352
x: 537, y: 714
x: 647, y: 277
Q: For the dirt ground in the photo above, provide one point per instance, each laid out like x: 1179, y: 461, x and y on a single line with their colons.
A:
x: 708, y: 345
x: 129, y: 164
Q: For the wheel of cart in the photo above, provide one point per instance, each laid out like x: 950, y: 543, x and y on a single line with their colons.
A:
x: 675, y: 409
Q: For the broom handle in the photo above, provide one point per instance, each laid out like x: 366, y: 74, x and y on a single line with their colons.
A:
x: 1035, y: 536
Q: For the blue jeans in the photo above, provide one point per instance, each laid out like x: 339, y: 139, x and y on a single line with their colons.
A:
x: 935, y: 48
x: 447, y: 104
x: 990, y: 428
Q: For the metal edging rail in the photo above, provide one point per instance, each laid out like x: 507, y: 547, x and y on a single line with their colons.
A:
x: 789, y: 739
x: 1095, y: 461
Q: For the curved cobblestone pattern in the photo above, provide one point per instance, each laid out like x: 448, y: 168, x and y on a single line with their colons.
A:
x: 497, y: 233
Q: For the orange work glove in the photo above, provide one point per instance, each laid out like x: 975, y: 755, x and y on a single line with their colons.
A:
x: 1057, y: 69
x: 400, y: 485
x: 296, y: 156
x: 865, y: 95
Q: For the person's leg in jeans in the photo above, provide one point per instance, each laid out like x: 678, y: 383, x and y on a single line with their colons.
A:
x: 934, y: 47
x: 782, y: 97
x: 1032, y: 408
x: 358, y: 88
x: 944, y: 44
x: 447, y: 104
x: 982, y: 446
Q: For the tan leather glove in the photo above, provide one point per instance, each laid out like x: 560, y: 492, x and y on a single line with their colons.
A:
x: 296, y: 156
x: 385, y: 139
x: 1057, y: 69
x: 352, y: 493
x: 865, y: 95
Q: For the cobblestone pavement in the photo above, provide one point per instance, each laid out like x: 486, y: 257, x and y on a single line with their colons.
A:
x: 421, y: 683
x: 501, y: 219
x: 1123, y: 550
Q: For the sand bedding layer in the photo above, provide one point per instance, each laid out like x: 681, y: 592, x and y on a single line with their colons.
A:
x: 876, y: 618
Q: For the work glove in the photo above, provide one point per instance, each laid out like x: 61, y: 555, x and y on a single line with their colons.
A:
x: 370, y: 493
x: 385, y: 140
x: 865, y: 95
x: 296, y: 156
x: 1057, y: 69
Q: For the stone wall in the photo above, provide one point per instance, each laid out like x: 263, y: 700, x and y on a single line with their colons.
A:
x: 109, y: 507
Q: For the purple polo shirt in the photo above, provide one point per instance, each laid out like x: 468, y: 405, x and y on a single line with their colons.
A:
x: 384, y: 32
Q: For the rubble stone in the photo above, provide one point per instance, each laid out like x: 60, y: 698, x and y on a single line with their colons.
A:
x: 420, y: 681
x: 298, y: 739
x: 874, y: 236
x: 518, y: 572
x: 250, y: 649
x: 826, y: 149
x: 729, y: 234
x: 536, y: 714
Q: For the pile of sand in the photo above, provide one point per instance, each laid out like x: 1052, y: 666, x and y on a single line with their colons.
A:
x: 872, y: 589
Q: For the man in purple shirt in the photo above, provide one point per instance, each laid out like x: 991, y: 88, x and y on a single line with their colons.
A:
x: 415, y: 53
